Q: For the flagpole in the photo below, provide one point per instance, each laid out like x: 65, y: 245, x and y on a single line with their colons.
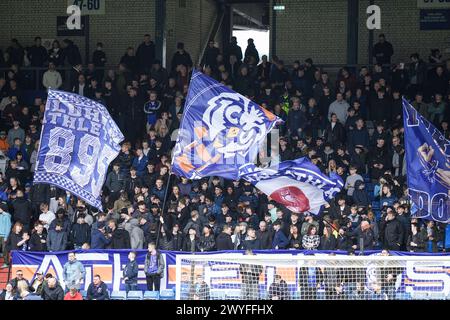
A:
x: 163, y: 208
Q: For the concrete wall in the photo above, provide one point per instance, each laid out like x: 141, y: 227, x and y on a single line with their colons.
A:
x: 190, y: 24
x: 121, y: 25
x: 318, y: 29
x: 314, y: 29
x: 400, y: 22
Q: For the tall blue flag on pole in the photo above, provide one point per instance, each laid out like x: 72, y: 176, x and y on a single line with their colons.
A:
x: 428, y: 166
x: 79, y: 140
x: 221, y: 130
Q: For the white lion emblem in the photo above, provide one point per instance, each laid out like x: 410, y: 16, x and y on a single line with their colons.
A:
x: 237, y: 118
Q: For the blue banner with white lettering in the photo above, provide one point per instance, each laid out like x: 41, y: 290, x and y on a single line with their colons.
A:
x: 297, y: 184
x: 428, y: 166
x: 109, y: 264
x: 221, y: 130
x: 79, y: 140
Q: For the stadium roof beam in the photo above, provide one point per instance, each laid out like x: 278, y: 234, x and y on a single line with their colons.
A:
x: 249, y: 18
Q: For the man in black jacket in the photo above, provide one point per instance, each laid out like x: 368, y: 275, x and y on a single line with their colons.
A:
x: 38, y: 240
x: 392, y: 233
x: 132, y: 182
x: 250, y: 279
x: 145, y: 54
x: 53, y: 290
x: 80, y: 233
x: 40, y: 193
x: 132, y: 114
x: 22, y: 210
x: 379, y: 159
x: 265, y: 236
x: 181, y: 57
x: 252, y: 242
x: 383, y: 50
x: 120, y: 238
x: 223, y: 241
x: 115, y: 182
x: 210, y: 56
x: 37, y: 53
x: 365, y: 232
x: 97, y: 290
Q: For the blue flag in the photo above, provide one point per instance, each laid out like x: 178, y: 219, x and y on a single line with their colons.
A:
x: 79, y: 140
x: 297, y: 184
x: 221, y: 130
x: 428, y: 166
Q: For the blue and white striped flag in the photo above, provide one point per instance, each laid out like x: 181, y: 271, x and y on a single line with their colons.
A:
x: 79, y: 140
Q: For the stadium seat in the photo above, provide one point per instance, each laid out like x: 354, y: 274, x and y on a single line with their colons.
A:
x: 151, y: 295
x: 436, y: 296
x: 263, y: 295
x: 320, y: 294
x: 296, y: 295
x: 233, y: 295
x: 419, y: 296
x: 167, y: 294
x: 83, y: 293
x: 402, y: 296
x: 135, y: 295
x: 118, y: 295
x: 217, y: 295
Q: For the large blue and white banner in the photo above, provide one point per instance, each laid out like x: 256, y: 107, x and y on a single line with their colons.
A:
x: 221, y: 130
x: 297, y: 184
x: 428, y: 166
x: 79, y: 140
x: 417, y: 276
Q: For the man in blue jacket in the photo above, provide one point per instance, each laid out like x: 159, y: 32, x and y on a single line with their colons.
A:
x: 97, y: 290
x: 130, y: 273
x: 99, y: 240
x: 279, y: 239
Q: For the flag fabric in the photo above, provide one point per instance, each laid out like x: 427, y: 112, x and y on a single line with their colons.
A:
x: 220, y: 131
x: 428, y: 166
x: 79, y: 140
x: 297, y: 184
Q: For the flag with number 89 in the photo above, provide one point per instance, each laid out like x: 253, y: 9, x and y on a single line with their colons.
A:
x: 79, y: 140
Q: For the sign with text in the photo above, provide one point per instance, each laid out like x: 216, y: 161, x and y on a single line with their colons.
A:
x: 435, y: 19
x: 89, y: 7
x: 433, y: 4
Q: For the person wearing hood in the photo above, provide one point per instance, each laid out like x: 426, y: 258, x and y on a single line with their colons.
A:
x: 99, y: 240
x: 360, y: 196
x: 136, y: 234
x: 63, y: 219
x: 73, y: 272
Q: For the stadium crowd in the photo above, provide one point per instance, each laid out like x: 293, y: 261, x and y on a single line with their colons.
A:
x: 351, y: 126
